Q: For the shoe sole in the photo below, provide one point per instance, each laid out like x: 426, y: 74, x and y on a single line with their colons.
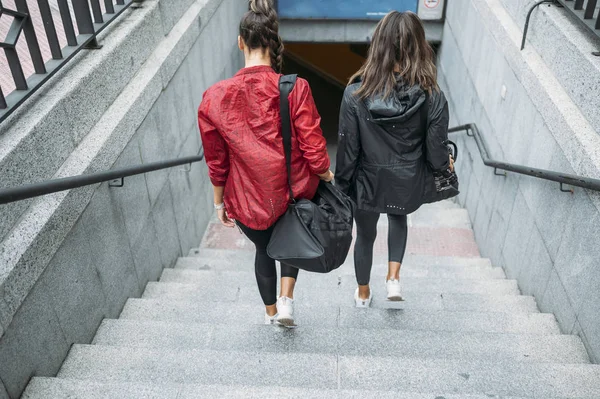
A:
x: 287, y: 323
x: 395, y: 299
x: 362, y: 303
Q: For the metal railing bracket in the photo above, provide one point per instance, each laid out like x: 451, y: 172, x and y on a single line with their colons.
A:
x: 117, y: 183
x: 503, y: 173
x: 566, y: 190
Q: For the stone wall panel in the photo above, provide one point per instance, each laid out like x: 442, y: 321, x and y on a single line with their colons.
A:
x: 544, y: 238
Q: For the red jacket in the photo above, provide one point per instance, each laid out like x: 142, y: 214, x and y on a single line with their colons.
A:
x: 240, y: 127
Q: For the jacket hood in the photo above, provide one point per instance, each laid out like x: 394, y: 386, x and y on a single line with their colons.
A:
x: 404, y: 102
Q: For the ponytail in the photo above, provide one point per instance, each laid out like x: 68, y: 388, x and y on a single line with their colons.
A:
x: 259, y: 28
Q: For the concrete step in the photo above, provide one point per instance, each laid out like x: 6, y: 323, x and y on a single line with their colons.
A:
x: 446, y: 204
x: 112, y: 364
x: 409, y: 284
x: 240, y: 259
x: 502, y: 378
x: 343, y: 341
x: 59, y: 388
x: 438, y: 217
x: 442, y: 285
x: 333, y: 316
x: 482, y: 271
x: 542, y: 380
x: 309, y: 295
x: 205, y: 278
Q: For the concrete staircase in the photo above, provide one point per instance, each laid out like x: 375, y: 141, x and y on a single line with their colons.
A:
x: 463, y: 332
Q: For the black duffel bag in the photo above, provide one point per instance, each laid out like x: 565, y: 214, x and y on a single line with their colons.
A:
x: 313, y: 235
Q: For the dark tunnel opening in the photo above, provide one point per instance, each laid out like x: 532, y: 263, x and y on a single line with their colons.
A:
x: 327, y: 67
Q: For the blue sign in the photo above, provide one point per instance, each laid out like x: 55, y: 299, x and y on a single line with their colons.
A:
x: 342, y: 9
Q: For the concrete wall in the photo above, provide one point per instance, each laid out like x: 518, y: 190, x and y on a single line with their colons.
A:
x: 70, y: 259
x: 546, y: 239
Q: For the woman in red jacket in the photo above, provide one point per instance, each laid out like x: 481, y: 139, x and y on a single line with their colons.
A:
x: 241, y: 133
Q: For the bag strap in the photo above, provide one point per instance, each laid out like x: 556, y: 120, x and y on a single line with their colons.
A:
x: 286, y: 85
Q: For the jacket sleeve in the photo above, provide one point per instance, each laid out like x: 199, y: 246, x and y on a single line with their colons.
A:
x: 348, y: 144
x: 437, y: 133
x: 307, y: 125
x: 216, y: 152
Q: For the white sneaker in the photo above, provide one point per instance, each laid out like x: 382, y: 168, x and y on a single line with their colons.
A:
x: 285, y: 310
x: 271, y: 320
x: 362, y: 303
x: 394, y: 292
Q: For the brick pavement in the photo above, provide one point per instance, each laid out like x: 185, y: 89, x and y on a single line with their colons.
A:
x: 422, y: 240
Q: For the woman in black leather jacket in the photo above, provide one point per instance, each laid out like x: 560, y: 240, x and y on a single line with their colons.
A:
x: 390, y: 140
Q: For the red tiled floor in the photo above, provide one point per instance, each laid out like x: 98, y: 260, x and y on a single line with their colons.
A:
x: 220, y: 237
x: 432, y: 241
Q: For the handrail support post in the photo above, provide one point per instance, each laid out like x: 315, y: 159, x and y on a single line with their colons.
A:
x: 187, y: 168
x: 499, y: 173
x: 568, y: 190
x: 93, y: 45
x: 120, y: 182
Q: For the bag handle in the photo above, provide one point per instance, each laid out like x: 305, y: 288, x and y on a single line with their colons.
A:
x: 452, y: 144
x: 286, y: 85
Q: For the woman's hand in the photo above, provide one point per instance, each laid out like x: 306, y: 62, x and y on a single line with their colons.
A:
x: 327, y: 176
x: 220, y: 207
x: 225, y: 221
x: 451, y: 166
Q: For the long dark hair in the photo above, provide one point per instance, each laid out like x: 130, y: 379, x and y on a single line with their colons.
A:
x: 398, y: 46
x: 259, y: 28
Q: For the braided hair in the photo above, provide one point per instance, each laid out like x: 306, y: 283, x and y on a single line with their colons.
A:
x: 259, y: 28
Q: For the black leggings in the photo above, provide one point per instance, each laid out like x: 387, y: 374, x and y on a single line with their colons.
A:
x: 264, y: 267
x: 366, y: 227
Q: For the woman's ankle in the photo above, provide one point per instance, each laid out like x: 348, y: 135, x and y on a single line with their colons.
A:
x: 271, y: 310
x: 393, y: 271
x: 287, y: 287
x: 364, y: 291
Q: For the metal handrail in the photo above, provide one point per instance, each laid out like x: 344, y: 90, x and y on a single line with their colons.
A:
x: 583, y: 10
x: 89, y: 22
x: 562, y: 178
x: 19, y: 193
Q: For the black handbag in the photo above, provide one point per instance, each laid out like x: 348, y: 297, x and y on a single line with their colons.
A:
x: 440, y: 184
x: 446, y: 181
x: 313, y: 235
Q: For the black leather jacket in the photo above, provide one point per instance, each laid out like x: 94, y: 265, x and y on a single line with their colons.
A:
x: 385, y: 156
